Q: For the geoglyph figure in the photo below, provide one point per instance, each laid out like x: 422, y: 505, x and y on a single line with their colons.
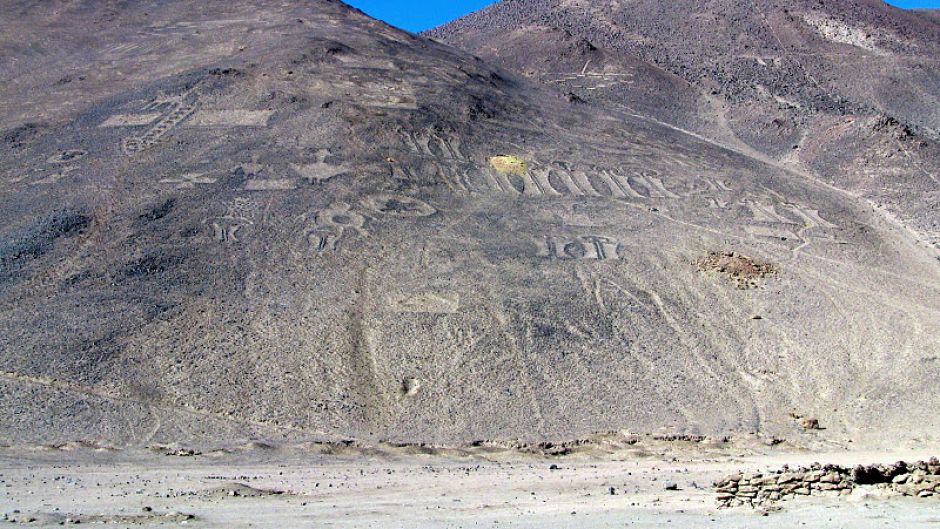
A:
x: 332, y: 224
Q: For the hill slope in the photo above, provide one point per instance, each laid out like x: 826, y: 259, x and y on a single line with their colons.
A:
x: 846, y: 91
x: 230, y: 222
x: 931, y: 14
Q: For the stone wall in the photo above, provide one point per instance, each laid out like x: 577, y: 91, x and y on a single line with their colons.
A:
x: 921, y: 479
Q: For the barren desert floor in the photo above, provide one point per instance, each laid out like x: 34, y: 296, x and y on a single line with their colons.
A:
x: 274, y: 488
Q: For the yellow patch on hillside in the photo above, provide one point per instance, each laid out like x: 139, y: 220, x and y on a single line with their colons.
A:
x: 508, y: 164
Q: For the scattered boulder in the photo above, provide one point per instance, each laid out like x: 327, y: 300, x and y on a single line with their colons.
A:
x: 806, y: 422
x: 184, y: 452
x: 240, y: 490
x: 809, y: 423
x: 410, y: 386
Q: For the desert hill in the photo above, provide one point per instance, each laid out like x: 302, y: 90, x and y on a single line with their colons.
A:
x: 286, y: 220
x: 931, y: 14
x: 844, y: 90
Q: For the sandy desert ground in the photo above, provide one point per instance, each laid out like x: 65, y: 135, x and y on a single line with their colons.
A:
x: 265, y: 487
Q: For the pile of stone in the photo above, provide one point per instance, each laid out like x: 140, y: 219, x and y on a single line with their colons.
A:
x: 921, y: 479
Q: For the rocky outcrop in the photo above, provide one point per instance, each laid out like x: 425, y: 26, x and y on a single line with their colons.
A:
x: 921, y: 479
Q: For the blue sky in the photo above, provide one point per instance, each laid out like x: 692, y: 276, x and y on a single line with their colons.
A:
x: 418, y: 15
x: 914, y: 4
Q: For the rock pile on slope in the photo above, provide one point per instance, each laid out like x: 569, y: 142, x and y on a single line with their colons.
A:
x: 921, y: 479
x: 743, y: 270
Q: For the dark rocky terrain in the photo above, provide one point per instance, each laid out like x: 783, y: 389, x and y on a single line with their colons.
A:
x: 930, y: 14
x: 269, y: 220
x: 847, y: 91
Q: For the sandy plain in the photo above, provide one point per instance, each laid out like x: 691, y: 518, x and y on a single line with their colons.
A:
x: 399, y: 488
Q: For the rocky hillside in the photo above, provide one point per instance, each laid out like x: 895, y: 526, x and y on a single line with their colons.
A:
x: 845, y: 91
x: 930, y: 14
x: 285, y: 220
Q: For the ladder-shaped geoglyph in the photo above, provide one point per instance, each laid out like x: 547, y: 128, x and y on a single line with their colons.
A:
x: 174, y: 110
x: 159, y: 117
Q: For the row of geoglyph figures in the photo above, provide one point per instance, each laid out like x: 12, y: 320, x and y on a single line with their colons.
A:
x: 550, y: 181
x: 554, y: 179
x: 341, y: 223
